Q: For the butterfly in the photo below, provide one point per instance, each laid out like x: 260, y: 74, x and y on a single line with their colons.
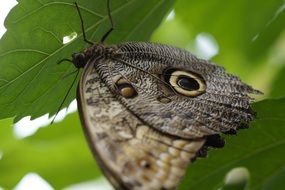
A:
x: 148, y: 110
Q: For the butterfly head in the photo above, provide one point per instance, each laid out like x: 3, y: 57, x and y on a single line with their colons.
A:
x: 95, y: 51
x: 79, y: 60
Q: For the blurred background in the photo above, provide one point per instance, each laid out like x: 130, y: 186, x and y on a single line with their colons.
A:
x: 246, y: 37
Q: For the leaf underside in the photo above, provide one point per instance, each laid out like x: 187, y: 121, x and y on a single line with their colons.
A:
x: 31, y: 81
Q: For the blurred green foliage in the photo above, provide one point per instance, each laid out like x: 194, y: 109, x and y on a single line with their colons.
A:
x: 251, y: 40
x: 58, y: 153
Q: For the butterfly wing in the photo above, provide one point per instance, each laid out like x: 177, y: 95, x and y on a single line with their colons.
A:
x: 224, y: 104
x: 132, y: 154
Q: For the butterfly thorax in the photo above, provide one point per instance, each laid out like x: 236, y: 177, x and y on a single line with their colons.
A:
x: 95, y: 51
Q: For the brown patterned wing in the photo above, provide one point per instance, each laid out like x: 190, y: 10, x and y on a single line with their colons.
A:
x: 131, y: 154
x: 201, y: 98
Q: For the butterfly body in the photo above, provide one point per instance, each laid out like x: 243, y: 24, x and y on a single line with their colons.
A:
x: 148, y: 109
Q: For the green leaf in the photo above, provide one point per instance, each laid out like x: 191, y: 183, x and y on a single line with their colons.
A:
x: 260, y: 149
x: 250, y: 27
x: 58, y: 153
x: 278, y: 90
x: 31, y: 83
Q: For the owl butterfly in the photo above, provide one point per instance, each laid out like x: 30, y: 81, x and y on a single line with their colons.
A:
x: 148, y: 110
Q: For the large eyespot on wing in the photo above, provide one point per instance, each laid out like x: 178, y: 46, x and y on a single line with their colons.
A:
x: 180, y: 94
x: 186, y: 83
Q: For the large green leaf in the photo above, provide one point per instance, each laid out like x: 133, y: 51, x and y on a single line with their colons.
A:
x: 247, y: 26
x: 31, y: 83
x: 260, y: 149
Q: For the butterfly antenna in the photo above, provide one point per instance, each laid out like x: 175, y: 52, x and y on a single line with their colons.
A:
x: 68, y: 60
x: 59, y: 108
x: 111, y: 21
x: 82, y: 25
